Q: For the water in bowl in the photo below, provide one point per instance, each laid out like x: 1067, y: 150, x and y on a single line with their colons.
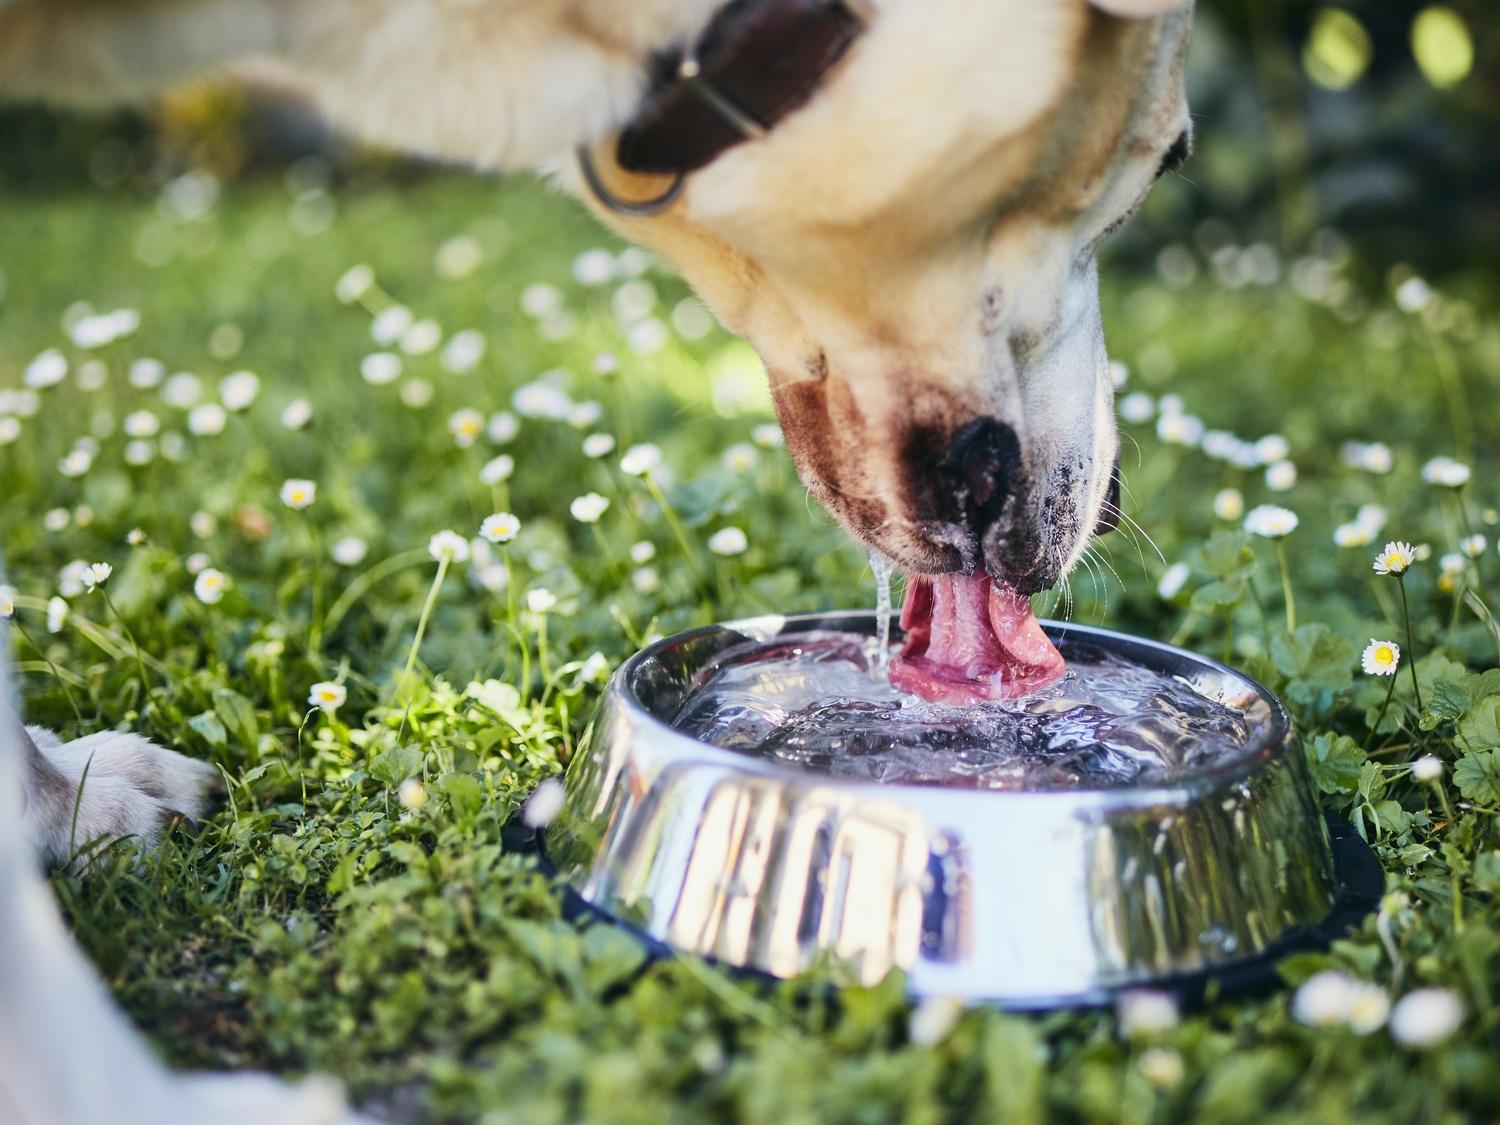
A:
x: 821, y: 701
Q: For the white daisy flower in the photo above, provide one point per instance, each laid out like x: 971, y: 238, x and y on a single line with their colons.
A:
x: 728, y: 542
x: 585, y: 414
x: 1137, y: 407
x: 1446, y: 472
x: 641, y: 460
x: 1272, y: 448
x: 349, y: 551
x: 1179, y: 429
x: 933, y: 1020
x: 598, y: 445
x: 76, y: 463
x: 632, y: 262
x: 541, y: 600
x: 502, y: 427
x: 1229, y: 504
x: 646, y: 580
x: 767, y: 435
x: 1271, y: 522
x: 1146, y: 1012
x: 1380, y: 658
x: 57, y: 614
x: 1281, y: 476
x: 541, y: 400
x: 1394, y: 558
x: 544, y: 804
x: 48, y: 369
x: 92, y: 374
x: 448, y: 546
x: 422, y: 337
x: 1172, y: 581
x: 605, y: 363
x: 1413, y: 295
x: 239, y: 390
x: 96, y: 575
x: 209, y: 586
x: 741, y: 457
x: 7, y: 601
x: 463, y: 352
x: 380, y: 368
x: 1369, y: 1007
x: 1372, y: 516
x: 416, y: 394
x: 1353, y: 534
x: 83, y: 515
x: 141, y: 424
x: 1452, y: 564
x: 207, y: 419
x: 56, y: 519
x: 146, y: 374
x: 388, y: 326
x: 411, y: 793
x: 299, y: 494
x: 466, y: 425
x: 1370, y: 457
x: 135, y: 537
x: 327, y: 696
x: 589, y: 507
x: 1161, y: 1066
x: 642, y: 552
x: 497, y: 469
x: 691, y: 319
x: 354, y: 283
x: 10, y: 429
x: 539, y: 299
x: 458, y: 257
x: 595, y: 669
x: 594, y: 267
x: 1426, y: 1017
x: 1324, y: 999
x: 501, y: 527
x: 203, y: 524
x: 1473, y: 545
x: 1427, y: 768
x: 182, y: 390
x: 296, y: 414
x: 174, y: 446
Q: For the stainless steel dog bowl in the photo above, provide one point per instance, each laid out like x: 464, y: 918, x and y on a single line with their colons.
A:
x: 1028, y: 898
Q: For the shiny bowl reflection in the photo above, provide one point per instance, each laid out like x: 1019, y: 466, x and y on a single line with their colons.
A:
x: 1024, y: 897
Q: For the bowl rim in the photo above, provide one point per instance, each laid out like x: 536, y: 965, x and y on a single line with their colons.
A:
x: 1269, y: 743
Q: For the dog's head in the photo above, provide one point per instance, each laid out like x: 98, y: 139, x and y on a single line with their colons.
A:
x: 913, y: 255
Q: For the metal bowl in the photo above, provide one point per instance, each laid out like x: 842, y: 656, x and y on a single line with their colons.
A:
x: 1030, y: 898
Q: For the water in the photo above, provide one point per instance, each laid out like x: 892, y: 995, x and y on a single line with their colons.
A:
x: 883, y: 568
x: 822, y: 701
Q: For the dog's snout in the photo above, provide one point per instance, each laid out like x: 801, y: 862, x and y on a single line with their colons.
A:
x: 981, y: 468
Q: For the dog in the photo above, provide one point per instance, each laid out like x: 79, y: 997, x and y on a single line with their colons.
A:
x: 897, y: 202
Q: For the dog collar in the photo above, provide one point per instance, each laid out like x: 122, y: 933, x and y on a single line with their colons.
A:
x: 754, y: 64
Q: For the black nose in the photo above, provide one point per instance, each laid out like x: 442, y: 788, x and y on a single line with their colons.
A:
x: 1109, y: 516
x: 980, y: 469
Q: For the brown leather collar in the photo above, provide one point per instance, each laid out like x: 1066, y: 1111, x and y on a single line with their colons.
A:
x: 757, y: 62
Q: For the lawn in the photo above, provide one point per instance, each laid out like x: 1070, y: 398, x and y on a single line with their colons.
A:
x: 350, y: 907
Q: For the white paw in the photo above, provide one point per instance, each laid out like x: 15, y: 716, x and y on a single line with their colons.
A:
x: 107, y: 786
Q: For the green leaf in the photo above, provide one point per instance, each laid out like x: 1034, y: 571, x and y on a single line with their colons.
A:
x: 395, y: 765
x: 1228, y: 557
x: 1478, y: 777
x: 1335, y: 761
x: 610, y: 956
x: 1315, y: 660
x: 1214, y: 598
x: 1479, y: 729
x: 239, y: 716
x: 465, y: 797
x: 208, y: 725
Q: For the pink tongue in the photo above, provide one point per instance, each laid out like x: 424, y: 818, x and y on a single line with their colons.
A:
x: 969, y: 639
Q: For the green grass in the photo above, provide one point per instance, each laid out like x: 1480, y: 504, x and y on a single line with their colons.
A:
x: 316, y: 923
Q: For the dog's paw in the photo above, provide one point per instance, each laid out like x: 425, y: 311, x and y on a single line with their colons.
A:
x: 107, y: 786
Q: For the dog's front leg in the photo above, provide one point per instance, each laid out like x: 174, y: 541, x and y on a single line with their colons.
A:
x: 105, y: 787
